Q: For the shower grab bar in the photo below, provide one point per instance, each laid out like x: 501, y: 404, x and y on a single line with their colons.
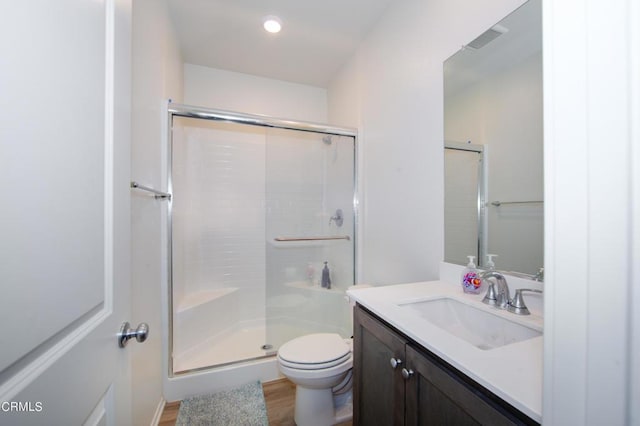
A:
x: 157, y: 194
x: 335, y: 237
x: 499, y: 203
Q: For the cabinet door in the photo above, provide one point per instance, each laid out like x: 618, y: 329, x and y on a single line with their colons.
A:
x: 436, y: 395
x: 378, y: 388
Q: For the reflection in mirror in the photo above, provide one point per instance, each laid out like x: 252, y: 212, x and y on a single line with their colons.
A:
x: 464, y: 186
x: 494, y: 199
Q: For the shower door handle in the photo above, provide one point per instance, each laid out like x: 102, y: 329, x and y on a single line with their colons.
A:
x: 126, y: 332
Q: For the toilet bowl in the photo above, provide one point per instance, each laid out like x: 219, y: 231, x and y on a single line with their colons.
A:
x: 320, y: 367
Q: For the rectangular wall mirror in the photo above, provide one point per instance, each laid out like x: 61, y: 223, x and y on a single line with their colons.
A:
x: 493, y: 128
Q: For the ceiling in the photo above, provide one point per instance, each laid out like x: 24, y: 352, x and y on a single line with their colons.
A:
x: 318, y: 36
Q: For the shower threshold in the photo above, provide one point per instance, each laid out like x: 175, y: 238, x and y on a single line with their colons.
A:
x: 241, y: 343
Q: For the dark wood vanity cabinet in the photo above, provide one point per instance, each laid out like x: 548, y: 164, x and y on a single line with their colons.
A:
x: 379, y: 389
x: 397, y: 382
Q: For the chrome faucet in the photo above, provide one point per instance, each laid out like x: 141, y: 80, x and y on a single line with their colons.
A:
x: 499, y: 297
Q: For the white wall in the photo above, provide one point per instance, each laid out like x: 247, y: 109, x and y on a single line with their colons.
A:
x: 232, y: 91
x: 157, y: 75
x: 392, y: 91
x: 592, y: 181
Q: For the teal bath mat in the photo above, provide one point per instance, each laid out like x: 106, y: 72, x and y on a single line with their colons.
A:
x: 243, y: 406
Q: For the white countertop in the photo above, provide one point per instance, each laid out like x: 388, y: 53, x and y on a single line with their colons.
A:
x: 512, y: 372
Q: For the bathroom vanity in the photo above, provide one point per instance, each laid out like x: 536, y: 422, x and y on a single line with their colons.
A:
x: 414, y: 364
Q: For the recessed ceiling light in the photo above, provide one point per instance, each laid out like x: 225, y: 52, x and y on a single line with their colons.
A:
x: 272, y: 24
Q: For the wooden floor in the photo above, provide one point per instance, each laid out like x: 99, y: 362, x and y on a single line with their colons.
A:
x: 279, y: 396
x: 170, y: 414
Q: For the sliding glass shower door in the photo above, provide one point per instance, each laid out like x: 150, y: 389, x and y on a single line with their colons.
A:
x: 309, y: 233
x: 255, y: 213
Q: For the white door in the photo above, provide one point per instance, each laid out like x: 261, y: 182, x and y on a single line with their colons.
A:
x: 64, y: 211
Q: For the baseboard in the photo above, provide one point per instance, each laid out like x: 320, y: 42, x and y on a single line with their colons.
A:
x: 158, y: 414
x: 276, y: 381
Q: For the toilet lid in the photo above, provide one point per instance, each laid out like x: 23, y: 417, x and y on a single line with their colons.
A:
x: 321, y: 348
x: 322, y: 366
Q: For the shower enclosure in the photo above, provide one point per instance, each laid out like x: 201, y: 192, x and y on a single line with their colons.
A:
x: 259, y: 207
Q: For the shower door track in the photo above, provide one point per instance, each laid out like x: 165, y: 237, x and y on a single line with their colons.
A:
x: 190, y: 111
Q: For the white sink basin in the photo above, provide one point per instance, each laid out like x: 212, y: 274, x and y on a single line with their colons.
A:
x: 480, y: 328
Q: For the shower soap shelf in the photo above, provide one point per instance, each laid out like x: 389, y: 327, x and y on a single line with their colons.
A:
x: 306, y: 286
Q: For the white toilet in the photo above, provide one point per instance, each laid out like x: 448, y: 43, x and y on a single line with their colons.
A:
x: 320, y: 366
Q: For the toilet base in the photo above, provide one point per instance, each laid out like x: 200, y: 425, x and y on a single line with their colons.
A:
x: 343, y: 407
x: 315, y: 407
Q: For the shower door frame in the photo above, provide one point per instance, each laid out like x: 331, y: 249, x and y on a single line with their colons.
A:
x: 190, y: 111
x: 481, y: 221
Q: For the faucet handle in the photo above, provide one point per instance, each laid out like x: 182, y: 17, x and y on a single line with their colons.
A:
x: 539, y: 276
x: 491, y: 298
x: 517, y: 305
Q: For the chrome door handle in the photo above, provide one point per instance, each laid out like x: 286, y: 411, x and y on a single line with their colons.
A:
x: 126, y: 332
